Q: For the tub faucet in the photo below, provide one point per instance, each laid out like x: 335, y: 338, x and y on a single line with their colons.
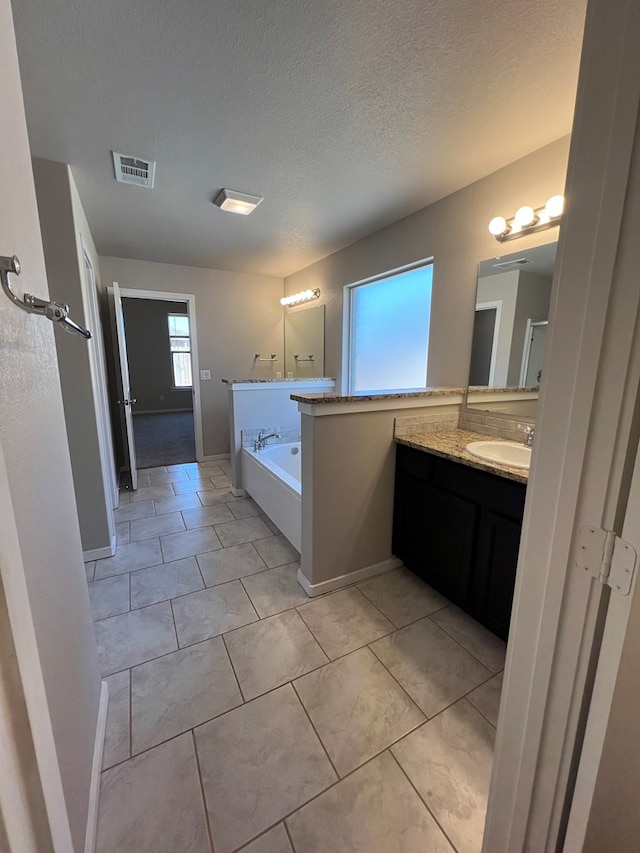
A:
x: 261, y: 440
x: 528, y: 430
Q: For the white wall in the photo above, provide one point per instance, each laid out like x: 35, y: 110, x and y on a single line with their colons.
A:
x: 237, y: 315
x: 34, y: 442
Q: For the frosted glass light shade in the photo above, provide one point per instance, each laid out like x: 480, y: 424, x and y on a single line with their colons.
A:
x: 525, y: 216
x: 555, y: 206
x: 498, y: 226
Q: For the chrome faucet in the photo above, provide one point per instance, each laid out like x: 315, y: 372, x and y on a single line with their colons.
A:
x: 261, y: 440
x: 528, y: 430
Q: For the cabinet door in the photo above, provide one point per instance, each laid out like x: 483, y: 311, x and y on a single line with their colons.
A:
x: 495, y: 571
x: 434, y: 535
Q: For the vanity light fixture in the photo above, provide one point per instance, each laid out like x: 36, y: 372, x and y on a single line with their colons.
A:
x: 303, y: 296
x: 527, y: 220
x: 232, y: 201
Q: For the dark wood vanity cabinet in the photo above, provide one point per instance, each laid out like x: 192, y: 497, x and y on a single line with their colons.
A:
x: 459, y: 529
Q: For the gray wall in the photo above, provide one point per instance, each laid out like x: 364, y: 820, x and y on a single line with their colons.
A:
x: 149, y: 356
x: 453, y: 231
x: 237, y: 315
x: 34, y: 443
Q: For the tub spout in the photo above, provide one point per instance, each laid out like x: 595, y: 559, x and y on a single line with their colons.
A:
x: 261, y: 441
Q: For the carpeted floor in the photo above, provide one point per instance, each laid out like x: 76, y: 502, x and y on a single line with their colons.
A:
x: 166, y: 439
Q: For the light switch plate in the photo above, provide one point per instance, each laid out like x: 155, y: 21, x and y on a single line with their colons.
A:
x: 205, y: 374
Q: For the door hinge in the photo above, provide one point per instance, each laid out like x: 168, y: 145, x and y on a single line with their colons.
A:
x: 607, y: 558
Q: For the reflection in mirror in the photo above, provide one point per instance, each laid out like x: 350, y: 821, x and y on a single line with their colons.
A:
x: 304, y: 342
x: 512, y: 311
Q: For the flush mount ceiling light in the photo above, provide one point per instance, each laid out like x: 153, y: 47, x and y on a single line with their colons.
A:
x: 527, y: 220
x: 303, y: 296
x: 234, y: 202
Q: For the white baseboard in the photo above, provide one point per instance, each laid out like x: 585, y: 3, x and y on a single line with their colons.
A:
x: 237, y: 493
x: 313, y: 589
x: 101, y: 553
x: 96, y: 770
x: 215, y: 458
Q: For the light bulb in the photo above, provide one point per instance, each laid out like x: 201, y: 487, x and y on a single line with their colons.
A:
x: 525, y: 216
x: 498, y: 226
x: 555, y: 206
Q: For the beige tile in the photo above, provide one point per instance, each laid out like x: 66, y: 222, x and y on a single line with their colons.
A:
x: 129, y: 511
x: 200, y: 477
x: 277, y: 551
x: 211, y: 469
x: 144, y: 482
x: 109, y: 597
x: 154, y: 803
x: 215, y: 496
x: 116, y: 742
x: 90, y: 569
x: 179, y: 691
x: 123, y: 533
x: 159, y: 583
x: 432, y: 668
x: 268, y: 748
x: 245, y: 530
x: 230, y: 563
x: 157, y: 525
x: 147, y: 472
x: 275, y: 590
x: 272, y: 527
x: 476, y: 639
x: 210, y: 612
x: 205, y: 516
x: 245, y: 508
x: 274, y: 841
x: 357, y: 708
x: 486, y: 698
x: 128, y: 558
x: 162, y: 478
x: 124, y: 497
x: 344, y: 621
x: 375, y: 810
x: 135, y: 637
x: 449, y: 761
x: 148, y: 493
x: 185, y: 487
x: 176, y: 503
x: 221, y: 482
x: 271, y: 652
x: 402, y: 596
x: 189, y: 543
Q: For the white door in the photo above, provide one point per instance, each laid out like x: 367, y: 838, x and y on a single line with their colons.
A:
x: 127, y: 401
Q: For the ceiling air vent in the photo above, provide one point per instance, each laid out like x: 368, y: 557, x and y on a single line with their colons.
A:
x: 518, y: 262
x: 134, y: 170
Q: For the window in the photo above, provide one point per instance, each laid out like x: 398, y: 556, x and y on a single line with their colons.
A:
x: 387, y: 331
x: 180, y: 346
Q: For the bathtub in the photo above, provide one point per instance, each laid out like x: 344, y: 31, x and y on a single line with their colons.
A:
x: 273, y: 479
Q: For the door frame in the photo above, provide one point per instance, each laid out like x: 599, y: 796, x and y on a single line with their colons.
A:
x: 190, y: 299
x: 487, y: 306
x: 526, y: 353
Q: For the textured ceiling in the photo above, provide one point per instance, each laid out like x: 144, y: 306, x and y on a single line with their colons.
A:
x: 346, y: 115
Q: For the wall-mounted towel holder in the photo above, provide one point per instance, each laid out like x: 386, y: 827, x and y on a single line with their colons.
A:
x: 271, y: 358
x: 55, y: 311
x: 310, y: 358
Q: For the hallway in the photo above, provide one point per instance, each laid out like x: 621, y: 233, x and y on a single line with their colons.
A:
x: 244, y: 713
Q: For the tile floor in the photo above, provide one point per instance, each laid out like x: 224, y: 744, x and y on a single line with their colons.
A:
x: 245, y: 716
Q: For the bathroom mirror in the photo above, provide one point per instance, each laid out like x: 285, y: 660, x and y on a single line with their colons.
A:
x: 509, y: 333
x: 304, y: 342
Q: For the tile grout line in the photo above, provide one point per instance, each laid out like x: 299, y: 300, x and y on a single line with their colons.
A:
x: 464, y: 647
x: 233, y: 669
x: 202, y: 793
x: 320, y: 741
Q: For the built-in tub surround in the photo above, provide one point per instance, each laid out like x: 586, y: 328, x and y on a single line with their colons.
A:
x: 272, y: 476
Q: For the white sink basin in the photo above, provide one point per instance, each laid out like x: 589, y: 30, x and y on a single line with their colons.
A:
x: 502, y: 452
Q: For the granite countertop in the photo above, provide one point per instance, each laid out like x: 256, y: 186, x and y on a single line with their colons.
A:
x: 332, y: 397
x: 451, y: 444
x: 508, y: 389
x: 285, y: 379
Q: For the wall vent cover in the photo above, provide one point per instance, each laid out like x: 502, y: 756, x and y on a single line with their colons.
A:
x: 134, y: 170
x: 519, y: 262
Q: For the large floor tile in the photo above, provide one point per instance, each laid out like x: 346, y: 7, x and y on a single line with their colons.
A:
x: 157, y: 525
x: 230, y: 563
x: 169, y: 580
x: 269, y: 653
x: 155, y: 469
x: 176, y: 503
x: 344, y: 621
x: 211, y: 612
x: 179, y: 691
x: 116, y: 741
x: 188, y: 544
x: 129, y: 511
x: 432, y: 668
x: 245, y: 508
x: 489, y: 649
x: 216, y: 496
x: 204, y: 516
x: 274, y: 841
x: 128, y: 558
x: 259, y: 763
x: 185, y: 487
x: 90, y: 570
x: 109, y: 597
x: 449, y: 761
x: 123, y: 533
x: 277, y: 551
x: 245, y: 530
x: 276, y: 590
x: 162, y: 477
x: 357, y: 708
x: 148, y: 493
x: 402, y: 596
x: 375, y: 810
x: 135, y: 637
x: 215, y: 468
x: 154, y: 803
x: 486, y: 698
